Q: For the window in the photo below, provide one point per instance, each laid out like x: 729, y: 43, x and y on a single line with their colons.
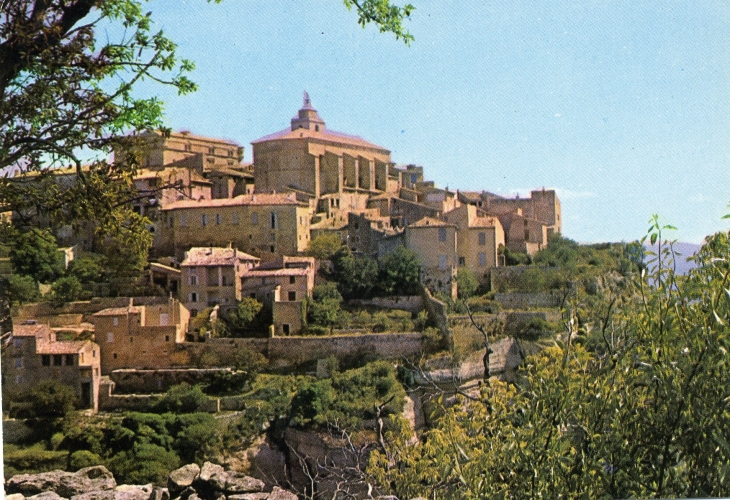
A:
x: 442, y: 234
x: 182, y: 220
x: 273, y: 237
x: 443, y: 261
x: 109, y: 337
x: 193, y: 313
x: 131, y: 340
x: 114, y: 355
x: 274, y: 220
x: 204, y: 220
x: 252, y: 295
x: 482, y: 259
x: 218, y: 219
x: 211, y: 151
x: 194, y: 297
x: 167, y: 338
x: 292, y: 296
x: 193, y: 279
x: 69, y: 359
x: 285, y: 328
x: 57, y: 360
x: 482, y: 239
x: 115, y: 321
x: 462, y: 261
x: 271, y: 248
x: 292, y: 280
x: 46, y: 360
x: 93, y: 353
x: 235, y: 218
x: 171, y: 222
x: 255, y: 218
x: 18, y: 362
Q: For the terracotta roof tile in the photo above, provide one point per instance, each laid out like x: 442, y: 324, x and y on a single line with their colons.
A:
x: 62, y: 347
x: 215, y: 256
x: 326, y: 135
x: 118, y: 311
x: 263, y: 199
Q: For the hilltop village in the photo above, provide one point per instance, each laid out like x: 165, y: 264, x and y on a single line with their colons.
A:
x: 224, y: 232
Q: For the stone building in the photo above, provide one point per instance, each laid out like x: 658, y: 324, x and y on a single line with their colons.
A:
x: 211, y: 276
x: 336, y: 171
x: 140, y: 336
x: 479, y: 239
x: 35, y: 355
x: 436, y: 243
x: 264, y: 225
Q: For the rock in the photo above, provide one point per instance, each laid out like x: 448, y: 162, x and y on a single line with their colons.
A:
x: 249, y: 496
x: 213, y: 477
x: 47, y: 495
x: 160, y: 494
x: 15, y: 496
x: 279, y: 494
x: 65, y: 484
x: 122, y: 492
x: 187, y: 493
x: 240, y: 483
x: 182, y: 478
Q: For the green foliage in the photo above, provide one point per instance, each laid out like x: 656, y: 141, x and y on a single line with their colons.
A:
x: 514, y: 258
x: 387, y: 16
x: 181, y: 398
x: 534, y: 330
x: 248, y: 365
x: 326, y: 290
x: 348, y: 398
x: 324, y: 246
x: 32, y: 459
x: 466, y: 282
x: 324, y: 310
x: 198, y: 439
x: 642, y: 413
x: 66, y: 289
x: 399, y: 273
x: 356, y: 276
x: 88, y: 268
x: 246, y: 316
x: 23, y: 289
x: 144, y: 463
x: 51, y: 398
x: 35, y: 253
x: 83, y: 458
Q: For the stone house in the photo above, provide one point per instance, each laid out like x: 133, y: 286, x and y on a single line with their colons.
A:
x: 264, y: 225
x: 435, y: 242
x: 35, y: 355
x: 283, y: 287
x: 479, y: 239
x: 140, y: 336
x: 211, y: 276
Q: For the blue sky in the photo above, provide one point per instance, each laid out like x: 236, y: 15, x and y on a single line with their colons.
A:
x: 623, y: 107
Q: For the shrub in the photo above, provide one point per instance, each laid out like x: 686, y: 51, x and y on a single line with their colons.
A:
x: 182, y: 398
x: 534, y: 329
x: 144, y: 463
x: 23, y: 289
x: 32, y: 460
x: 83, y: 458
x: 51, y: 398
x: 382, y: 322
x: 66, y: 289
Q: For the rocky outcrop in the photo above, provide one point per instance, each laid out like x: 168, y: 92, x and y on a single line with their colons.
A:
x: 190, y: 482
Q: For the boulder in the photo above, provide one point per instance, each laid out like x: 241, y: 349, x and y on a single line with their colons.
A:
x: 122, y: 492
x: 182, y: 478
x: 240, y: 483
x: 249, y: 496
x: 47, y: 495
x: 279, y: 494
x: 213, y: 477
x: 65, y: 484
x: 14, y: 496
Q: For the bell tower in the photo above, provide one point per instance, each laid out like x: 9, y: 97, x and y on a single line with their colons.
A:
x: 307, y: 117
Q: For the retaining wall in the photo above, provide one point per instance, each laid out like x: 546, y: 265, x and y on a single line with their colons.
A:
x: 411, y: 303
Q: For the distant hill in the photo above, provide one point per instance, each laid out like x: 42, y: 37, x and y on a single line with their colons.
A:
x: 684, y: 250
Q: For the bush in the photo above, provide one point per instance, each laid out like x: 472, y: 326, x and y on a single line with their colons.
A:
x: 83, y: 458
x: 182, y: 398
x: 51, y: 398
x: 381, y: 322
x: 32, y: 460
x: 144, y: 463
x: 23, y: 289
x: 533, y: 330
x: 66, y: 289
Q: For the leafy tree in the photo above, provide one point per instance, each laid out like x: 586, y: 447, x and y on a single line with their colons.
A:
x: 399, y: 273
x: 181, y: 398
x: 35, y: 253
x: 51, y: 398
x: 199, y: 438
x: 23, y: 289
x: 88, y: 268
x: 144, y: 463
x: 245, y: 316
x: 356, y: 276
x: 466, y: 282
x: 324, y: 246
x: 66, y: 289
x: 326, y: 290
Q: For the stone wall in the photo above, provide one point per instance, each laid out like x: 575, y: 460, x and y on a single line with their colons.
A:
x: 132, y: 381
x: 411, y: 303
x: 529, y: 300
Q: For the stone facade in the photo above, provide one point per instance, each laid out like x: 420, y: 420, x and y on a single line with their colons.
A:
x: 34, y: 355
x: 140, y: 336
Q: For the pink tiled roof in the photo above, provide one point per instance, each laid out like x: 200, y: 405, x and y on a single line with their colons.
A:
x: 118, y: 311
x: 431, y: 222
x: 62, y: 347
x: 30, y: 330
x: 324, y: 135
x: 260, y: 273
x: 241, y: 200
x: 215, y: 256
